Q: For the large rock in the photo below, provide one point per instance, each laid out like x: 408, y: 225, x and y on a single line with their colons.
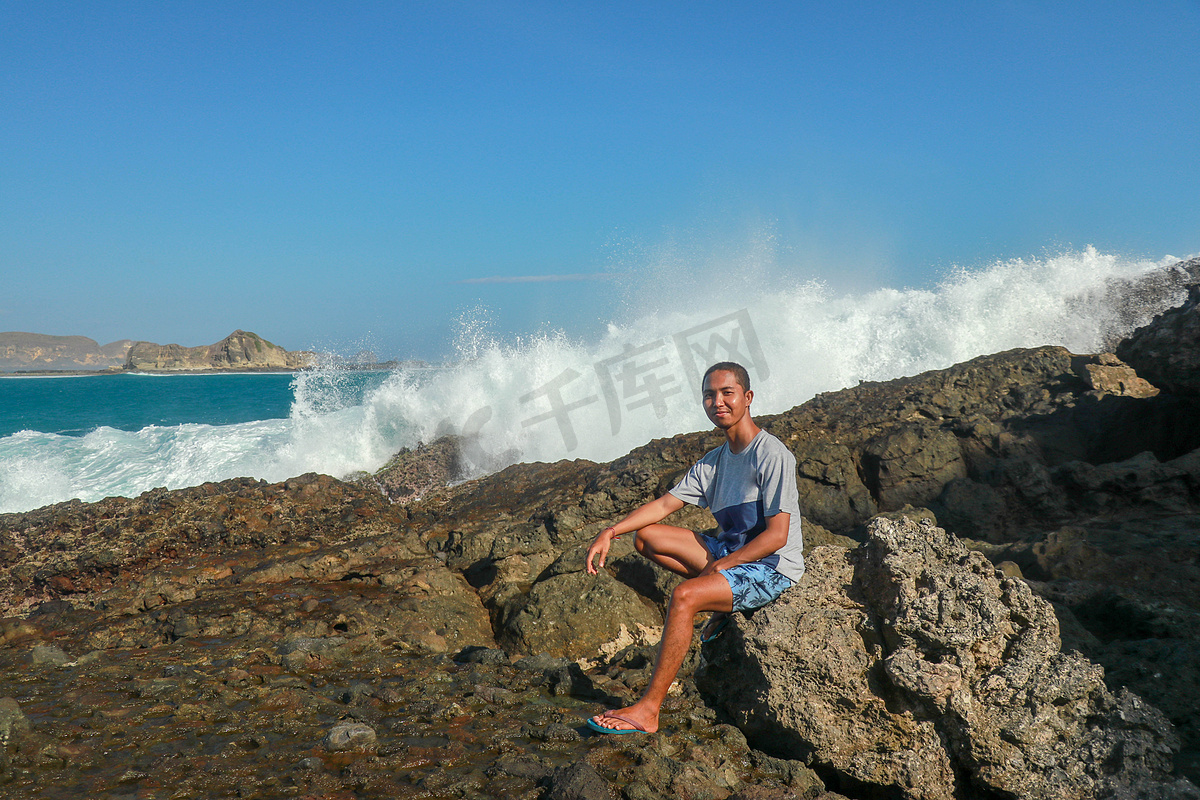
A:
x: 911, y: 665
x: 1167, y: 351
x: 574, y: 614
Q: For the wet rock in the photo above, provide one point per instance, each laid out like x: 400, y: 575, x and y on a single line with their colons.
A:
x: 911, y: 663
x: 13, y: 722
x: 412, y: 473
x: 44, y: 655
x: 578, y: 782
x: 350, y: 735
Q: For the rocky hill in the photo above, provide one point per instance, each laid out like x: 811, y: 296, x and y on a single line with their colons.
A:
x: 38, y: 351
x: 240, y: 350
x: 1002, y: 601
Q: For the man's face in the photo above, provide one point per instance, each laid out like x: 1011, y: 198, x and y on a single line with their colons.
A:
x: 725, y: 401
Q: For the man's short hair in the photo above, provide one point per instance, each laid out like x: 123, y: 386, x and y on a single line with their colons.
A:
x: 739, y: 373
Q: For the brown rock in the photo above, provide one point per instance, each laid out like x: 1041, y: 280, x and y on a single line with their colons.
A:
x: 1107, y: 375
x: 911, y: 663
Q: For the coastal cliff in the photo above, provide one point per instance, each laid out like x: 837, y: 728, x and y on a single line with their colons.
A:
x: 38, y: 351
x: 240, y: 350
x: 1001, y: 602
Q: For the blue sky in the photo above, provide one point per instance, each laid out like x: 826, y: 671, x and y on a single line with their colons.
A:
x: 351, y: 175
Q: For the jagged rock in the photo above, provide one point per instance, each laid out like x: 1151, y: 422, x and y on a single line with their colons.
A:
x: 240, y: 350
x: 412, y: 473
x: 912, y: 665
x: 1167, y: 351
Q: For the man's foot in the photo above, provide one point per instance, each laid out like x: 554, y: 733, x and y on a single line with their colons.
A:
x: 625, y: 720
x: 716, y: 624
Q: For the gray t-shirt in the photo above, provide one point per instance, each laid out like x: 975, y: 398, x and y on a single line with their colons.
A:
x: 743, y: 490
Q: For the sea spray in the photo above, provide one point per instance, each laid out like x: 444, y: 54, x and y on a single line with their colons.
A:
x: 548, y: 396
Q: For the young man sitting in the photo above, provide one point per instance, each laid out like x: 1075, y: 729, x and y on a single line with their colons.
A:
x: 749, y: 484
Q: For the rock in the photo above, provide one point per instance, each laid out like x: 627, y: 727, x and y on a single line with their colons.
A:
x: 911, y: 465
x: 350, y: 735
x: 912, y: 663
x: 412, y: 473
x: 13, y: 721
x: 482, y: 655
x: 1106, y: 374
x: 44, y: 655
x: 574, y: 614
x: 973, y: 509
x: 1167, y: 351
x: 831, y: 492
x: 578, y: 782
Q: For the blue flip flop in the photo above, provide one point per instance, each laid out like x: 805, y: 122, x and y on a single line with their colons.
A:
x: 601, y: 729
x: 716, y: 631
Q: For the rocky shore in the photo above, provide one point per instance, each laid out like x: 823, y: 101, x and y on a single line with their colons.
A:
x: 1002, y: 602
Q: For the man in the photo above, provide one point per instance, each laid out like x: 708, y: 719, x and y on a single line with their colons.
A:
x: 749, y: 484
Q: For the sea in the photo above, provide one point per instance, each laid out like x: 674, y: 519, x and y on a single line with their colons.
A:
x: 549, y: 396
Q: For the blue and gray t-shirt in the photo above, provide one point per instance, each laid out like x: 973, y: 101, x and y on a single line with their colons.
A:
x: 743, y: 490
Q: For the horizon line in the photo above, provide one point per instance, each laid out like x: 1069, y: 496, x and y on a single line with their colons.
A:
x: 578, y: 276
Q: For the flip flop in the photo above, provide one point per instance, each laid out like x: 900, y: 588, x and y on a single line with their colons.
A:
x: 716, y: 631
x: 601, y: 729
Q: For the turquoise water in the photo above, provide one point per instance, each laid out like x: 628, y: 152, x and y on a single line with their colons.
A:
x: 90, y: 437
x: 74, y: 406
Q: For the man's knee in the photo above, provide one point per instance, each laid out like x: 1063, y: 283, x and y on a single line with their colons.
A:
x: 686, y: 595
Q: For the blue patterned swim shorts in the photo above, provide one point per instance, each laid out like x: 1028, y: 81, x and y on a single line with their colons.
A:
x: 754, y: 584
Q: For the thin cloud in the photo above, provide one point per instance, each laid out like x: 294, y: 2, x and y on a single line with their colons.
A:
x: 580, y: 276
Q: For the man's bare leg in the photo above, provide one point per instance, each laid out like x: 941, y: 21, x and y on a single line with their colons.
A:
x: 676, y: 549
x: 707, y: 593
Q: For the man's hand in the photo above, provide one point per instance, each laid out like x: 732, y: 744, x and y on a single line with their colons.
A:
x: 761, y: 546
x: 600, y: 548
x: 643, y: 515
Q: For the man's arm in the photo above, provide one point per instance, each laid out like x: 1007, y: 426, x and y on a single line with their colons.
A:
x: 640, y: 517
x: 774, y: 537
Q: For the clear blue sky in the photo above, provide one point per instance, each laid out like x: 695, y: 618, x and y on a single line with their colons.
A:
x: 337, y: 174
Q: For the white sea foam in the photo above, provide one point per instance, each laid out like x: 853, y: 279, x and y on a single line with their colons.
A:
x: 798, y: 338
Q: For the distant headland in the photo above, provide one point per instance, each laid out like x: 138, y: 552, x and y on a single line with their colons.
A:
x: 240, y: 351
